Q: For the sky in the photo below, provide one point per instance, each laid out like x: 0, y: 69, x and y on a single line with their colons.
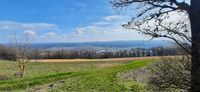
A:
x: 63, y: 21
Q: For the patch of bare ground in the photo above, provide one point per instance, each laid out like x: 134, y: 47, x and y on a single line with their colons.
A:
x: 141, y: 75
x: 46, y: 87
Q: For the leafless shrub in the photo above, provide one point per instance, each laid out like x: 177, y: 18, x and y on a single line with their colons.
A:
x: 171, y: 73
x: 23, y: 52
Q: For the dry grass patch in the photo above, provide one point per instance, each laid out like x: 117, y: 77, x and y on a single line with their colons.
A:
x: 92, y: 60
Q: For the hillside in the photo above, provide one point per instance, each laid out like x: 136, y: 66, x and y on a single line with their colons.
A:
x: 108, y: 44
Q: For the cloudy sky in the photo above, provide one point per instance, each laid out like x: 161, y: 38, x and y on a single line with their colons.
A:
x: 63, y: 21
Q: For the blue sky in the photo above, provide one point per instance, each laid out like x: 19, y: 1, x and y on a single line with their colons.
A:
x: 63, y: 21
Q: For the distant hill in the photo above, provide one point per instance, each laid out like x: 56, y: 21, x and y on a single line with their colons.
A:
x: 108, y: 44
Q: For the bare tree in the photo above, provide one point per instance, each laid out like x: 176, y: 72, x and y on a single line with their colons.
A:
x: 22, y: 51
x: 155, y: 18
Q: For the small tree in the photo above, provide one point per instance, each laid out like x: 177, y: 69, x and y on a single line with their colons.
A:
x: 22, y: 51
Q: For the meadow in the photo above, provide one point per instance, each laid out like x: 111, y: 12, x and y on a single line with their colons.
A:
x: 95, y: 76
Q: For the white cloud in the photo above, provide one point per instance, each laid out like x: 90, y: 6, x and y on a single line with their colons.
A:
x: 102, y: 33
x: 93, y: 33
x: 39, y: 26
x: 32, y: 30
x: 50, y: 34
x: 113, y: 18
x: 79, y: 30
x: 13, y: 26
x: 101, y: 23
x: 29, y: 33
x: 107, y: 29
x: 48, y: 37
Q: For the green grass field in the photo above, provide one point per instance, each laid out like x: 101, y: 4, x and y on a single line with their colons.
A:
x: 76, y: 76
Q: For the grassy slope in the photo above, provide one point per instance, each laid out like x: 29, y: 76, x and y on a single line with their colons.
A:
x: 78, y: 76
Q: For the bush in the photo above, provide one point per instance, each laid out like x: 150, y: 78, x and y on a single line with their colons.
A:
x: 170, y: 73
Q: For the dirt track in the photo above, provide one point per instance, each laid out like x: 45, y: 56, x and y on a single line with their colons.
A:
x: 90, y: 60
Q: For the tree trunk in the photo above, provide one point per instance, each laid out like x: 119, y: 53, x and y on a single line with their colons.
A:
x: 195, y: 27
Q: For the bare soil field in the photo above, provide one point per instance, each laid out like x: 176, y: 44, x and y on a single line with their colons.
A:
x: 92, y: 60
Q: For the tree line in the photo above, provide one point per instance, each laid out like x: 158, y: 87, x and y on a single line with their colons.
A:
x: 9, y: 54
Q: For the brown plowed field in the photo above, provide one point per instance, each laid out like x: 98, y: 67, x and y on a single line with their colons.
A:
x: 90, y: 60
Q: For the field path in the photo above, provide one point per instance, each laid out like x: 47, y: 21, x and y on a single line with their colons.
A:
x: 91, y: 80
